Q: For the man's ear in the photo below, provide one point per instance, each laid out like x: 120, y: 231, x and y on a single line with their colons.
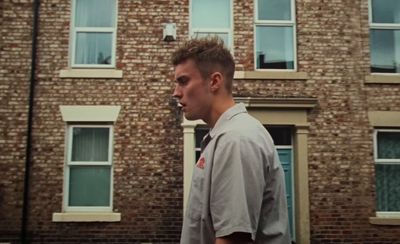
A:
x: 216, y: 81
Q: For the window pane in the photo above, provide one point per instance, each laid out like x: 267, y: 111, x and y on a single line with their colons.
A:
x: 274, y: 9
x: 389, y: 145
x: 200, y: 133
x: 211, y: 14
x: 388, y: 187
x: 274, y: 47
x: 90, y: 144
x: 223, y: 36
x: 385, y: 51
x: 93, y: 48
x: 89, y: 186
x: 282, y: 136
x: 95, y: 13
x: 386, y: 11
x: 198, y: 153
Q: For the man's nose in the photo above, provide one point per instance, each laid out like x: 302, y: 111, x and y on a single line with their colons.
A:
x: 177, y: 92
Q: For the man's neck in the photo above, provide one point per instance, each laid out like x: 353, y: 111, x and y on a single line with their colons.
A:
x: 220, y: 106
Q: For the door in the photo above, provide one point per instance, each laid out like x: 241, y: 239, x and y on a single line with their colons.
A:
x: 282, y: 137
x: 285, y: 156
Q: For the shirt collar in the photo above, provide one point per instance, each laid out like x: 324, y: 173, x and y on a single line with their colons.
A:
x: 226, y: 116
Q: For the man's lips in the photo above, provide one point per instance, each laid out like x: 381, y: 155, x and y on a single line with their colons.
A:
x: 182, y: 106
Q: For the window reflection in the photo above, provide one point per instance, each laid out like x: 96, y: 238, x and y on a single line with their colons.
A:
x: 93, y: 48
x: 211, y: 18
x: 274, y: 10
x: 388, y: 145
x: 385, y: 51
x: 274, y: 47
x: 386, y: 11
x: 93, y: 33
x: 200, y: 132
x: 95, y: 13
x: 211, y: 14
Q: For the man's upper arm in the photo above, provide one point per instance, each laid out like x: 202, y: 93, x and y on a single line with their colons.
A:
x: 237, y: 185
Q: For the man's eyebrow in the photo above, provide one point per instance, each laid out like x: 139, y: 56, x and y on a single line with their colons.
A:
x: 182, y: 78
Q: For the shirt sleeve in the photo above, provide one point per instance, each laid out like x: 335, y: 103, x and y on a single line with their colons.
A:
x: 237, y: 184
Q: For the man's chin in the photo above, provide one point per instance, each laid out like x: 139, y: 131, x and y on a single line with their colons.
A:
x: 190, y: 116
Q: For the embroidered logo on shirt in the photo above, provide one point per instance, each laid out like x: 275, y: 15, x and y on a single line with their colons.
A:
x: 201, y: 163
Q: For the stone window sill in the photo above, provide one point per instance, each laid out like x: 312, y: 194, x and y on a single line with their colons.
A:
x: 90, y: 113
x: 91, y: 73
x: 383, y: 79
x: 86, y: 217
x: 281, y: 75
x: 385, y: 220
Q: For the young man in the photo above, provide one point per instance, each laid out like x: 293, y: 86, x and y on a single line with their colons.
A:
x: 238, y: 192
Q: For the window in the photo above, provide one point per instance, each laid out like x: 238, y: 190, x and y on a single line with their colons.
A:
x: 385, y: 36
x: 275, y: 35
x: 93, y: 33
x: 387, y: 170
x: 200, y: 132
x: 89, y: 168
x: 212, y: 17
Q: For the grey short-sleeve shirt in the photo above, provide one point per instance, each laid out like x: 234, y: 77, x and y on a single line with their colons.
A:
x: 237, y: 185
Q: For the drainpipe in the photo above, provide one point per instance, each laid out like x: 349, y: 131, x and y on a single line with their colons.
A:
x: 28, y: 160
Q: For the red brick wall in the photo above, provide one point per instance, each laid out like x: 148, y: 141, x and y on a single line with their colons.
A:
x: 148, y: 144
x: 332, y: 47
x: 15, y: 50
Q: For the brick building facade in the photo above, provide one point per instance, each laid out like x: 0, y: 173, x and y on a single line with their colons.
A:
x: 336, y: 108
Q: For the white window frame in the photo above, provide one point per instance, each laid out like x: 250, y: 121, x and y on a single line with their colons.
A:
x: 276, y: 23
x: 75, y: 30
x: 385, y: 162
x: 380, y: 26
x: 68, y: 163
x: 228, y: 31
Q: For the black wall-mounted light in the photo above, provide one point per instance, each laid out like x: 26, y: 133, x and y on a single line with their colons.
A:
x: 169, y: 32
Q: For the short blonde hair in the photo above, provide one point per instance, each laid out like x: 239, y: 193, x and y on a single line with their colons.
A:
x: 210, y: 55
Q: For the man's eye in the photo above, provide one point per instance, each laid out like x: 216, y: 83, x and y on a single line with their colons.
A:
x: 182, y: 81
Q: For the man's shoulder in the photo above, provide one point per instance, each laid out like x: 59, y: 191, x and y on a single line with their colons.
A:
x: 244, y: 124
x: 243, y: 129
